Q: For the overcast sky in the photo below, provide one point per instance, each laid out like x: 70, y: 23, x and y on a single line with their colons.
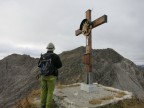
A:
x: 27, y: 26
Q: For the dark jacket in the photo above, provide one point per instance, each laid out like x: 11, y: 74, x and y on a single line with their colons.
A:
x: 56, y: 61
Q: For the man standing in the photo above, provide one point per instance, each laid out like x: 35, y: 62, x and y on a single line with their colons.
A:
x: 48, y: 79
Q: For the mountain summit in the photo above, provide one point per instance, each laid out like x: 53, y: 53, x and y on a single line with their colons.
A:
x: 18, y: 72
x: 109, y: 69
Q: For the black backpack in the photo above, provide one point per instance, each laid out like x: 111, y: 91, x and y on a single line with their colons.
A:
x: 46, y: 65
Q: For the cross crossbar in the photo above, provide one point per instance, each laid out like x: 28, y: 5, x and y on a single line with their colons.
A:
x: 95, y: 23
x: 99, y: 21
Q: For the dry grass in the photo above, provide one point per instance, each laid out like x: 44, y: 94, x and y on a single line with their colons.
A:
x: 95, y: 101
x: 25, y: 103
x: 28, y: 101
x: 120, y: 94
x: 35, y: 93
x: 60, y: 86
x: 107, y: 98
x: 99, y: 101
x: 131, y: 103
x: 114, y: 91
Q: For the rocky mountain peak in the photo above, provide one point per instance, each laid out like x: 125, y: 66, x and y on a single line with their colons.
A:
x: 18, y: 72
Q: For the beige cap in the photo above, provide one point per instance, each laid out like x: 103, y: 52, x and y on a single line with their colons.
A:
x: 50, y: 47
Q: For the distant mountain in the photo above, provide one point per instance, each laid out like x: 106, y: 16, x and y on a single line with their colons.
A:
x: 17, y: 73
x: 142, y: 66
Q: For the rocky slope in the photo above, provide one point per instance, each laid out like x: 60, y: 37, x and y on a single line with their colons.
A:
x: 17, y: 78
x: 17, y: 73
x: 109, y: 68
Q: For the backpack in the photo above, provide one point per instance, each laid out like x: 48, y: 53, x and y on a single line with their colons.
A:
x: 46, y: 65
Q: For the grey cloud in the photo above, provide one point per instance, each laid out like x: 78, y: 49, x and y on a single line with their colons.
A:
x: 7, y: 49
x: 36, y: 23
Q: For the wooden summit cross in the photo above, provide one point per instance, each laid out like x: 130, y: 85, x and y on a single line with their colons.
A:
x: 85, y: 28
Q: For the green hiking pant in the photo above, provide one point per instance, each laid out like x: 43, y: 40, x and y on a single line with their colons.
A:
x: 47, y: 89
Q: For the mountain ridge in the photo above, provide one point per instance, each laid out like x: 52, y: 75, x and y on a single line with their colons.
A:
x: 18, y: 72
x: 17, y: 78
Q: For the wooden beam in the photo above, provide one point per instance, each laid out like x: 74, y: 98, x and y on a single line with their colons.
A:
x: 88, y: 15
x: 78, y: 32
x: 99, y: 21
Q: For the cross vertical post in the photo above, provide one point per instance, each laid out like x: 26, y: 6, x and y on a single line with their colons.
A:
x: 89, y: 50
x: 86, y: 27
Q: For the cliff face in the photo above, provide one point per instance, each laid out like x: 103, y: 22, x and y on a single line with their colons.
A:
x: 18, y: 72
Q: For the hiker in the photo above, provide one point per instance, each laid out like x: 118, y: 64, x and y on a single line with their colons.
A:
x: 49, y: 76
